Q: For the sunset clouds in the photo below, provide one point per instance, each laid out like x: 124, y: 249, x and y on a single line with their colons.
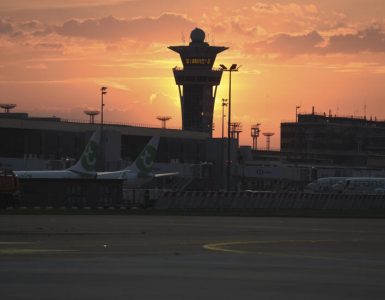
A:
x: 370, y: 39
x: 330, y: 54
x: 150, y: 29
x: 279, y: 27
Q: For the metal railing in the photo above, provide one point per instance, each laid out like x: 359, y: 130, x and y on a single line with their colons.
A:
x: 212, y: 69
x: 336, y: 116
x: 144, y: 125
x: 275, y: 149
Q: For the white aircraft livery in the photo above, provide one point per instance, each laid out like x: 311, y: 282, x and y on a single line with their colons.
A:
x: 140, y: 171
x: 323, y: 185
x: 348, y: 185
x: 84, y: 168
x: 360, y: 185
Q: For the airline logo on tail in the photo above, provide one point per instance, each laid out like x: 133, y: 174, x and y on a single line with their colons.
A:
x: 146, y: 159
x: 89, y: 157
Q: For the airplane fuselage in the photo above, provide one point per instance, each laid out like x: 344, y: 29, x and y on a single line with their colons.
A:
x: 348, y: 185
x: 59, y: 174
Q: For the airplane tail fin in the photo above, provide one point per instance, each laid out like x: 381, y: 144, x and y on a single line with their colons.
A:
x: 87, y: 162
x: 144, y: 162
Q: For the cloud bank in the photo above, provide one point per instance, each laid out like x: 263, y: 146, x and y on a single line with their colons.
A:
x: 370, y: 39
x: 164, y: 28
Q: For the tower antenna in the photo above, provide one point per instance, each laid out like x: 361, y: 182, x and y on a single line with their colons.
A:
x: 255, y: 130
x: 235, y: 130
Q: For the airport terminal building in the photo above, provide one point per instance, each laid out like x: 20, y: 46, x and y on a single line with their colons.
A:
x: 315, y: 146
x: 350, y: 141
x: 53, y: 143
x: 53, y: 139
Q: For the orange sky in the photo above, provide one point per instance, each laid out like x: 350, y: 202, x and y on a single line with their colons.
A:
x: 55, y: 55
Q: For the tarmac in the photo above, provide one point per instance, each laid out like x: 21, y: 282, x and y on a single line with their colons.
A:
x: 190, y: 257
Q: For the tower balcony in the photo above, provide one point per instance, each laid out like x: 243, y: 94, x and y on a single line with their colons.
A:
x: 197, y: 76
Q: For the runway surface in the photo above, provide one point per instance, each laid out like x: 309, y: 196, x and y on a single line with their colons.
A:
x: 178, y: 257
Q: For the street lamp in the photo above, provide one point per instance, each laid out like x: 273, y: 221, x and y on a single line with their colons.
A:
x: 233, y: 68
x: 224, y: 103
x: 103, y: 91
x: 296, y: 113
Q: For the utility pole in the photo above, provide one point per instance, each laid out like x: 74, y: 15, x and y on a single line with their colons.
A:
x: 224, y: 103
x: 103, y: 91
x: 233, y: 68
x: 296, y: 113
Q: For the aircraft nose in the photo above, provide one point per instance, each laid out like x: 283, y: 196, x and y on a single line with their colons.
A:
x: 311, y: 186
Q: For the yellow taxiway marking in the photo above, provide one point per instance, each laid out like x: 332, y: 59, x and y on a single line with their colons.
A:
x: 223, y: 247
x: 378, y: 267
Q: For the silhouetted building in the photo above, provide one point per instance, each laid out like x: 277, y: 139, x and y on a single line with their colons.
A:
x: 50, y: 143
x: 197, y: 82
x: 331, y: 133
x: 338, y: 140
x: 53, y: 138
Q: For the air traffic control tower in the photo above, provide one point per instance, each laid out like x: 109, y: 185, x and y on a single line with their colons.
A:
x: 197, y: 82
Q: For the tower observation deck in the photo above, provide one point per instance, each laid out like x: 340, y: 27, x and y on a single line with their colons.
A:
x: 197, y: 82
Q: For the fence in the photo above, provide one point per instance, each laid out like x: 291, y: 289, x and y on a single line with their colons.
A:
x: 110, y: 193
x: 266, y: 200
x: 69, y: 193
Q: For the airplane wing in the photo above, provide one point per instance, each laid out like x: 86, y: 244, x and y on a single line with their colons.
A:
x: 166, y: 174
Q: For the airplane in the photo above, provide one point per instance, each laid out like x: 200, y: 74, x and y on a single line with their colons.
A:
x: 360, y: 185
x: 84, y: 168
x: 140, y: 171
x: 349, y: 185
x: 323, y: 185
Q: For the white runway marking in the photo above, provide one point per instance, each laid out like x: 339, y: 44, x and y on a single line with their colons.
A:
x: 32, y: 251
x: 14, y: 243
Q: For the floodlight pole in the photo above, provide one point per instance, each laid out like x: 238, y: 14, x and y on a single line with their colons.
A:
x: 229, y: 139
x: 103, y: 91
x: 224, y: 103
x: 233, y: 68
x: 296, y: 113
